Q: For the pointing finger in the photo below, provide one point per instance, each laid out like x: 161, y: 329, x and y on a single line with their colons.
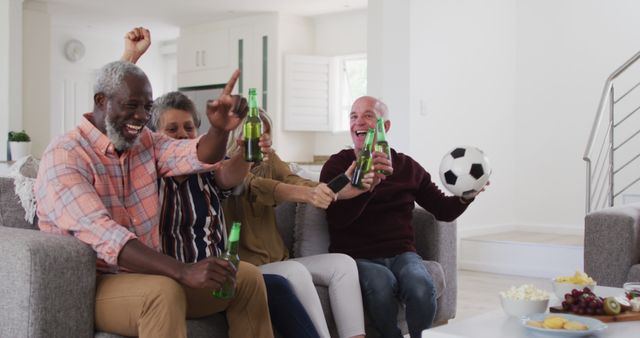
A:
x: 232, y: 82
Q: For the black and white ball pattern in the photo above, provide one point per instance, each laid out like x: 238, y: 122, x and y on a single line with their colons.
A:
x: 465, y: 170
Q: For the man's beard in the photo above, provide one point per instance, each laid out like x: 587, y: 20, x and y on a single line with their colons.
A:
x: 115, y: 136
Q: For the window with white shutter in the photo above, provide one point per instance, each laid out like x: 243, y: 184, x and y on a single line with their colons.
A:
x: 319, y: 90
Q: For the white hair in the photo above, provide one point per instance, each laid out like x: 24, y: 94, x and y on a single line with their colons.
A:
x: 172, y: 100
x: 110, y: 78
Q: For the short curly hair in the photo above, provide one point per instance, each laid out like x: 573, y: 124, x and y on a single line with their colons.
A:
x: 110, y: 78
x: 172, y: 100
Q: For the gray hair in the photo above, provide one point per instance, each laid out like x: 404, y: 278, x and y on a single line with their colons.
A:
x: 110, y: 79
x: 172, y: 100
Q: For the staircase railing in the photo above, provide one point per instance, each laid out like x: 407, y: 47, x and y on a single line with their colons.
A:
x: 603, y: 172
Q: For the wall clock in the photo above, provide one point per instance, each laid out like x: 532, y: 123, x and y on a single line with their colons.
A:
x: 74, y: 50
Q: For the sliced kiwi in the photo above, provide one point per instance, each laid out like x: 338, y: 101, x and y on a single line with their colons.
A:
x: 611, y: 306
x: 624, y: 303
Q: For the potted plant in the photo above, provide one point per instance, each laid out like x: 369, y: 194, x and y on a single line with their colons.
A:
x: 19, y: 144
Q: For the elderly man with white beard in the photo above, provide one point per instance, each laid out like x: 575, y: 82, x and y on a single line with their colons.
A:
x: 98, y: 182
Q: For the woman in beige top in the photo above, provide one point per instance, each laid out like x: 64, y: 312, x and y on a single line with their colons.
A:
x: 269, y: 183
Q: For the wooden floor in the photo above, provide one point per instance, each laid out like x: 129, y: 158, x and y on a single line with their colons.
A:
x: 533, y: 237
x: 478, y: 291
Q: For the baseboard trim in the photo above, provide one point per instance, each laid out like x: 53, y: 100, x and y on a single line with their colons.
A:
x: 518, y: 258
x: 563, y: 229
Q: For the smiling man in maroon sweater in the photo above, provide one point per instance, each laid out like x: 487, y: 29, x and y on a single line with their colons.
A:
x: 375, y: 227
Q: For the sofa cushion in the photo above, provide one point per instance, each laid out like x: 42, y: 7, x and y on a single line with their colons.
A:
x: 285, y: 220
x: 311, y: 237
x: 634, y: 273
x: 11, y: 211
x: 211, y: 326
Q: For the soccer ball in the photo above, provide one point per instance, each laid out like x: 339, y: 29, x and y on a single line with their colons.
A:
x: 465, y: 170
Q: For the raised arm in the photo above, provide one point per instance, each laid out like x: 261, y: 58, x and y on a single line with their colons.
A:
x: 136, y: 43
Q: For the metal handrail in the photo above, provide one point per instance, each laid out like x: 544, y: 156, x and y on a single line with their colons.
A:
x: 603, y: 101
x: 626, y: 117
x: 607, y: 97
x: 627, y: 93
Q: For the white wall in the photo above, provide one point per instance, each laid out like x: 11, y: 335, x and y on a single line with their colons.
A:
x: 389, y: 70
x: 463, y: 56
x: 454, y: 81
x: 566, y: 49
x: 11, y: 70
x: 72, y: 83
x: 295, y: 36
x: 338, y: 34
x: 36, y: 75
x: 521, y: 80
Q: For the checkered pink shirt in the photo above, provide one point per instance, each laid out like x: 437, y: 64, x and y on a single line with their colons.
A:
x: 86, y: 190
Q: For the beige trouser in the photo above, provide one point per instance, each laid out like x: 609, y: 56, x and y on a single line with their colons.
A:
x: 153, y: 306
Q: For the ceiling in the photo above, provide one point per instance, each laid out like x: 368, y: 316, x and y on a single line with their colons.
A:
x: 164, y: 17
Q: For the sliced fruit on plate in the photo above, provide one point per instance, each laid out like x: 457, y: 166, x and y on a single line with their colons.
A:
x: 611, y: 306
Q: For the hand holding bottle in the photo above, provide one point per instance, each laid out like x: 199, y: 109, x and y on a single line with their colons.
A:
x: 264, y: 143
x: 381, y: 165
x: 228, y: 288
x: 349, y: 191
x: 364, y: 160
x: 252, y: 130
x: 208, y: 273
x: 265, y: 146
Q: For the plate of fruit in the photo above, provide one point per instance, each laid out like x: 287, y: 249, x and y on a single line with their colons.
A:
x: 585, y: 302
x: 562, y: 324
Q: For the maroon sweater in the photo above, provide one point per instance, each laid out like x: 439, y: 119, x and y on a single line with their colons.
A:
x: 378, y: 224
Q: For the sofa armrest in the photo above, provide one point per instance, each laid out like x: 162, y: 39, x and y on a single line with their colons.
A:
x: 47, y: 285
x: 437, y: 241
x: 612, y: 243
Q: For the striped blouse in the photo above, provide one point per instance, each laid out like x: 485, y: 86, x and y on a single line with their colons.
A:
x: 191, y: 220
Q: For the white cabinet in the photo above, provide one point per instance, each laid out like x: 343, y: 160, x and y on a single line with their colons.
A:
x: 204, y: 56
x: 209, y: 53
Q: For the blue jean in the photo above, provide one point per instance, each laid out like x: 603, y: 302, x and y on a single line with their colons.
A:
x: 385, y: 281
x: 288, y: 316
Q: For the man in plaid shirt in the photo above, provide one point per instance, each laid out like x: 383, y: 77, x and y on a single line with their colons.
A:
x: 98, y: 183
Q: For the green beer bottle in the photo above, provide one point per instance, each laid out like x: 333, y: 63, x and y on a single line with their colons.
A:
x: 227, y: 290
x: 363, y: 165
x: 381, y: 144
x: 252, y: 130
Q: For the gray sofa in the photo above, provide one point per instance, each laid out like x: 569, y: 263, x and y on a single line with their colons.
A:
x: 47, y: 281
x: 612, y: 245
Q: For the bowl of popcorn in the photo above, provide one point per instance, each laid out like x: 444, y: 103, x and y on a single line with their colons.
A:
x: 524, y: 300
x: 565, y: 284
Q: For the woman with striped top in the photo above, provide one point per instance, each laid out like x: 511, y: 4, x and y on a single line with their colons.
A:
x: 192, y: 224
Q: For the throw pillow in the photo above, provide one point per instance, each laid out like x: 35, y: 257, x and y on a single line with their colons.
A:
x: 24, y: 173
x: 310, y: 233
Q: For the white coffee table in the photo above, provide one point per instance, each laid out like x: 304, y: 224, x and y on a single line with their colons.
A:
x: 496, y: 324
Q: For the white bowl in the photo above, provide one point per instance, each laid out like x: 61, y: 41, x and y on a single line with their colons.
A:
x: 522, y: 307
x: 560, y: 289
